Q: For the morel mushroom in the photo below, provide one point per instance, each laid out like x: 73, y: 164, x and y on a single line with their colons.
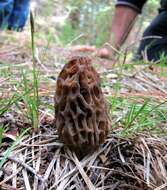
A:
x: 80, y: 110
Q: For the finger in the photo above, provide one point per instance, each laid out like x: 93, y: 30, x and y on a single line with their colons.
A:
x: 84, y: 48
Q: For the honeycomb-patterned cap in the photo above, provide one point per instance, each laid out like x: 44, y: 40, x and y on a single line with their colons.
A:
x: 80, y: 110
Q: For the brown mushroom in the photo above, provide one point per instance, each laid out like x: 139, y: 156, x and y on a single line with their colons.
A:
x: 80, y: 111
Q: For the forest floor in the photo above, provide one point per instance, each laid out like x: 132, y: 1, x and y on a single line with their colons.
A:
x: 134, y: 155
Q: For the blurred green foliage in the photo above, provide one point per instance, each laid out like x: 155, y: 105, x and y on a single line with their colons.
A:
x: 90, y: 18
x: 88, y: 21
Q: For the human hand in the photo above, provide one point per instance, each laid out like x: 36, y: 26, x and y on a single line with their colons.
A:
x: 83, y: 48
x: 108, y: 58
x: 102, y: 52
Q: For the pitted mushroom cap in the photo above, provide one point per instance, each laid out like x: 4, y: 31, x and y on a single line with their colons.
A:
x: 80, y: 110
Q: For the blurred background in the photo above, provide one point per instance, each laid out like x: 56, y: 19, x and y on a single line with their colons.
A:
x: 69, y: 22
x: 62, y: 24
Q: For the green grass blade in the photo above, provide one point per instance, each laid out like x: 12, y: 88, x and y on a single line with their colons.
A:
x: 9, y: 150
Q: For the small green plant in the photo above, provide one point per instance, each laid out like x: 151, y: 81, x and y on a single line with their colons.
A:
x: 34, y: 102
x: 163, y: 59
x: 9, y: 150
x: 134, y: 117
x: 30, y: 99
x: 5, y: 104
x: 162, y: 65
x: 142, y: 117
x: 133, y: 113
x: 30, y: 94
